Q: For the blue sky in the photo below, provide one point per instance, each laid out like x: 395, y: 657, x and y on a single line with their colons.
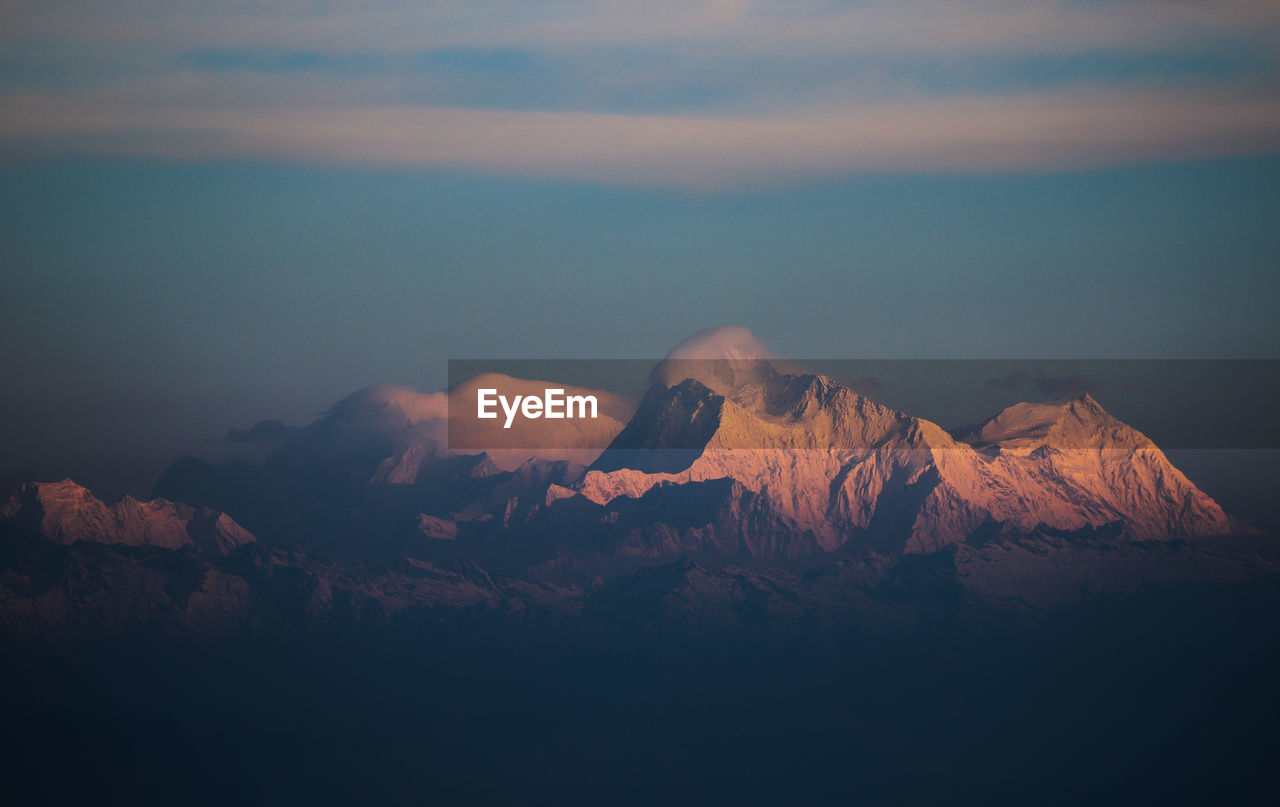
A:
x: 215, y: 213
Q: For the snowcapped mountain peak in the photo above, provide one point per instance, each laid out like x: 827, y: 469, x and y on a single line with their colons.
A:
x: 1065, y: 423
x: 65, y: 513
x: 797, y: 463
x: 734, y: 451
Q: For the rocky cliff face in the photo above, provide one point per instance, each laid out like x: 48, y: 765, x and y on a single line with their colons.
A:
x: 94, y: 589
x: 814, y: 466
x: 64, y: 512
x: 737, y: 494
x: 729, y: 451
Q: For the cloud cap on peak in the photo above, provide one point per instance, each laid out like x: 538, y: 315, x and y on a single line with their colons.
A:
x: 721, y: 342
x: 721, y: 357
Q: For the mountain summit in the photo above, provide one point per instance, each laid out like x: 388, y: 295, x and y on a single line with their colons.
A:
x: 1066, y: 423
x: 65, y: 513
x: 791, y: 464
x: 729, y: 451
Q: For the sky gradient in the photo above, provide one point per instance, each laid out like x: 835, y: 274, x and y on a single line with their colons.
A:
x: 216, y: 213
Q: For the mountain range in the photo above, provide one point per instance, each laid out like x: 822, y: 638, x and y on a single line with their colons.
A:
x: 735, y: 488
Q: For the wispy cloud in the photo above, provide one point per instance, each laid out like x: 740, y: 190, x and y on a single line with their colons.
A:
x: 706, y: 94
x: 1036, y: 132
x: 954, y: 26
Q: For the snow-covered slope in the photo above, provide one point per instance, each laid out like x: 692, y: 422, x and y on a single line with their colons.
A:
x: 814, y: 466
x: 65, y: 513
x: 729, y: 451
x: 1072, y: 464
x: 1066, y: 423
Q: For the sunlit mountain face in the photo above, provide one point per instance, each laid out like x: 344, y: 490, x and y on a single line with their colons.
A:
x: 716, y: 401
x: 389, y: 506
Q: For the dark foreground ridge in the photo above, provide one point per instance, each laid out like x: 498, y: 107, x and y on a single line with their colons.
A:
x: 1052, y: 669
x: 89, y: 590
x: 1165, y: 696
